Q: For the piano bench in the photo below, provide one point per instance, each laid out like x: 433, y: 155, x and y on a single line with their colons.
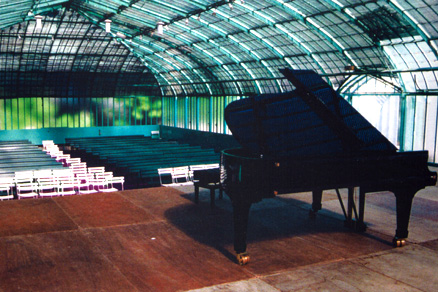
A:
x: 212, y: 187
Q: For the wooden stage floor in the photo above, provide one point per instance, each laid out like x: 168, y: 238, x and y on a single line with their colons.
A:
x: 158, y: 240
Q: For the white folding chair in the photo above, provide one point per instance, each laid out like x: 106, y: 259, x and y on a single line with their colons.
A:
x: 165, y: 176
x: 67, y: 181
x: 47, y: 184
x: 79, y: 168
x: 71, y: 161
x: 96, y: 169
x: 155, y: 134
x: 6, y: 184
x: 62, y: 157
x: 83, y: 184
x: 97, y: 181
x: 181, y: 176
x: 47, y: 144
x: 110, y: 180
x: 54, y: 151
x: 201, y: 167
x: 117, y: 180
x: 25, y: 185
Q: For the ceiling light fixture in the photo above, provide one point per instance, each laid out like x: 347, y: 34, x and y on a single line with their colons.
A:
x: 160, y: 27
x: 108, y: 25
x: 121, y: 35
x: 39, y: 23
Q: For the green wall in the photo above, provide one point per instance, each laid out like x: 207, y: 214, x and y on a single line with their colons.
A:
x: 58, y: 135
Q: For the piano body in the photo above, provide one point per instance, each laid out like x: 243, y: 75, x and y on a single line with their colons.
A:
x: 311, y: 139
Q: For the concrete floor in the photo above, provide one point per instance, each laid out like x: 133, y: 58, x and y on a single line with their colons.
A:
x: 159, y: 240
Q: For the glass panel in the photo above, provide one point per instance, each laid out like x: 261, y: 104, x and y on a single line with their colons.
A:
x: 204, y: 114
x: 430, y: 139
x: 382, y: 112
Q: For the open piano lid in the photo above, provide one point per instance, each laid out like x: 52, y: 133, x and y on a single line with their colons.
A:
x: 312, y: 120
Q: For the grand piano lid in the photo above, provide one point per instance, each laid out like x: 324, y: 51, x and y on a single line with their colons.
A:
x: 313, y: 120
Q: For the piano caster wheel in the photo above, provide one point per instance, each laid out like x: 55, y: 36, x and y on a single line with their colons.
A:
x: 312, y: 214
x: 399, y: 242
x: 243, y: 258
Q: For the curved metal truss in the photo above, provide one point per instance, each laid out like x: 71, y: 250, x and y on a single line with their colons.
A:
x: 210, y: 48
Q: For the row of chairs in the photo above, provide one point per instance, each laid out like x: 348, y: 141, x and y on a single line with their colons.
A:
x: 142, y: 156
x: 58, y: 182
x: 182, y: 175
x: 53, y: 150
x: 75, y: 178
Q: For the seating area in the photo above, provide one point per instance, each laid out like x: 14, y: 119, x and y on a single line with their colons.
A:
x: 52, y: 174
x: 22, y: 155
x: 182, y: 175
x: 32, y: 171
x: 141, y: 156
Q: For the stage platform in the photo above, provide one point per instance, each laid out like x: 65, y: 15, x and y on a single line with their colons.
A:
x: 158, y: 239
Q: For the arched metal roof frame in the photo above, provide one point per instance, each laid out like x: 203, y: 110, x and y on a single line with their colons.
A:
x: 40, y: 56
x: 203, y: 38
x: 193, y: 59
x: 228, y: 20
x: 344, y: 10
x: 230, y: 36
x: 356, y: 81
x: 418, y: 27
x: 177, y: 37
x: 259, y: 15
x: 306, y: 20
x: 318, y: 30
x: 210, y: 56
x: 150, y: 30
x: 231, y: 54
x: 157, y: 64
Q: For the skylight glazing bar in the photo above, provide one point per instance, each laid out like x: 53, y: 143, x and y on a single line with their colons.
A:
x: 245, y: 28
x: 170, y: 6
x: 419, y: 28
x: 129, y: 43
x: 160, y: 16
x: 307, y: 21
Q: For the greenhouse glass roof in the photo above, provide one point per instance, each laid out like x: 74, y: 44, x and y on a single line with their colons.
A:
x: 207, y: 47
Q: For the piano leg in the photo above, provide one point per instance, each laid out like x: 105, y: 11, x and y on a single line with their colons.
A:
x: 357, y: 223
x: 404, y: 197
x: 241, y: 214
x: 350, y: 206
x: 196, y: 192
x: 316, y: 203
x: 361, y: 226
x: 212, y: 197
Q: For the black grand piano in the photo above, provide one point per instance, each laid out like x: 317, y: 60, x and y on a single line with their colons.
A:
x: 311, y: 139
